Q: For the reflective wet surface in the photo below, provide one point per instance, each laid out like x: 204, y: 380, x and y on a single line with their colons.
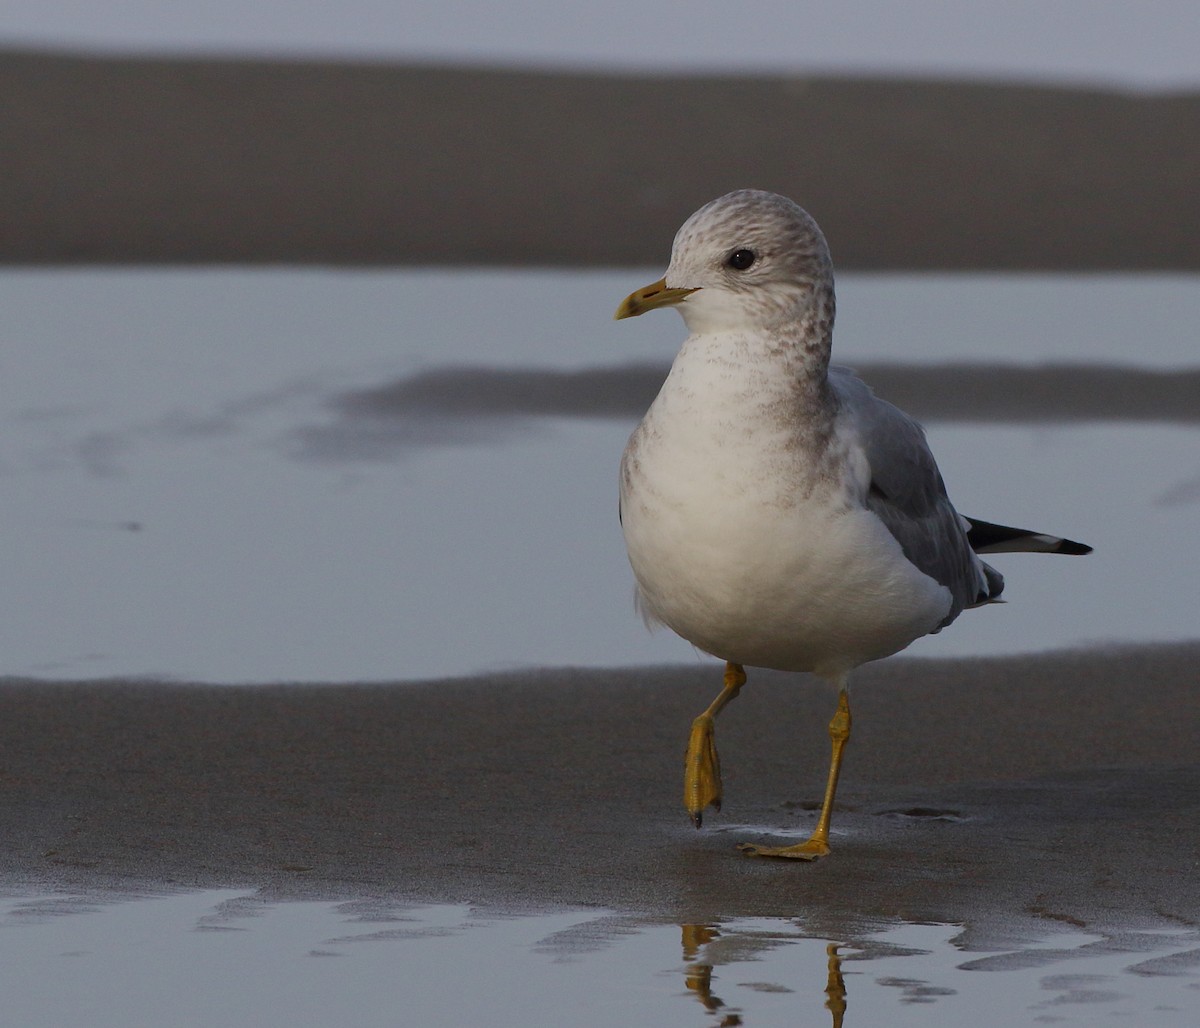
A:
x: 231, y: 958
x: 256, y: 475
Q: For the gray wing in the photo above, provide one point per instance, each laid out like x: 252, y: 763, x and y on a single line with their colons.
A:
x: 907, y: 494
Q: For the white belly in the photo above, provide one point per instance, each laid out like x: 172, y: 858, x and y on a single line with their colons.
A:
x: 747, y: 559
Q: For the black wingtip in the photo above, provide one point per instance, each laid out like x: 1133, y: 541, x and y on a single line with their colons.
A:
x: 985, y: 537
x: 1073, y: 548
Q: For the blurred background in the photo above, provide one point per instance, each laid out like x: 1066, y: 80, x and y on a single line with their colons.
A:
x: 1092, y: 42
x: 307, y: 363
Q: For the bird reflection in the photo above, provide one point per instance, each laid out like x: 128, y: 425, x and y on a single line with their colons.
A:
x: 835, y: 987
x: 698, y: 977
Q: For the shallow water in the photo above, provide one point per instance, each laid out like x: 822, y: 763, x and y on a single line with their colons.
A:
x: 165, y: 510
x: 230, y: 958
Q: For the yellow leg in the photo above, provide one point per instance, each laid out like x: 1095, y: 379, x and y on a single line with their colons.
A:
x: 702, y: 766
x: 818, y: 843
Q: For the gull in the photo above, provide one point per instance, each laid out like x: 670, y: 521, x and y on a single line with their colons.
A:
x: 776, y: 512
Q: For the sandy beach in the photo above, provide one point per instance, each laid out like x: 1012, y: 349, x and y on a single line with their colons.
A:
x: 993, y: 793
x: 959, y: 392
x: 143, y: 160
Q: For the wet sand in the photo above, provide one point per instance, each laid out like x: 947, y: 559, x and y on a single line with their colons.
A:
x: 959, y: 392
x: 998, y: 793
x: 145, y: 160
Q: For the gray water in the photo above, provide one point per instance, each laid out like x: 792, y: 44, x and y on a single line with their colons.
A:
x: 228, y: 958
x: 171, y: 501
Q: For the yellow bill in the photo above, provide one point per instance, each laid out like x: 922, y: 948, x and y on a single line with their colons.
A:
x: 657, y: 294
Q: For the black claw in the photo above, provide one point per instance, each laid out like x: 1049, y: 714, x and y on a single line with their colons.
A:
x: 698, y: 818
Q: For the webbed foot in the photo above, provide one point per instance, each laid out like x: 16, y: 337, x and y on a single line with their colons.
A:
x: 813, y: 849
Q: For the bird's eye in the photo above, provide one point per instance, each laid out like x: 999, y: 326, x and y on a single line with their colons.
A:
x: 740, y: 260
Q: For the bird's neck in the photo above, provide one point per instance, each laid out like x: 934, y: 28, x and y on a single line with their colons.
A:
x: 798, y: 347
x: 809, y: 331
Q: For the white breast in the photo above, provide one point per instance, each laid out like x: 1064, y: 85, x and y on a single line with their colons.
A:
x: 741, y: 546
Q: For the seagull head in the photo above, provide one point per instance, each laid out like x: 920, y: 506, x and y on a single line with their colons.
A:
x: 748, y: 260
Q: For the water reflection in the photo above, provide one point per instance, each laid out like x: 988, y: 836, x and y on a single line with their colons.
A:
x: 235, y: 959
x: 835, y: 986
x: 698, y: 976
x: 903, y: 970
